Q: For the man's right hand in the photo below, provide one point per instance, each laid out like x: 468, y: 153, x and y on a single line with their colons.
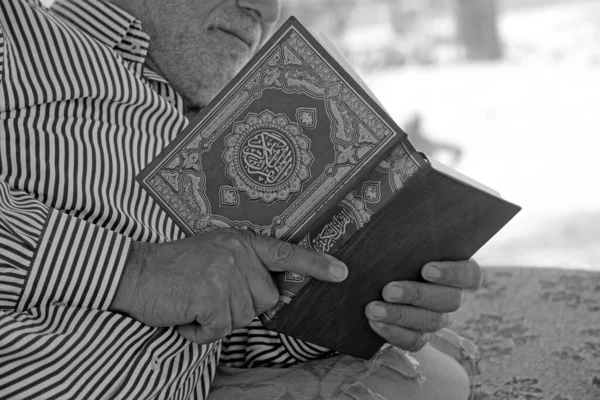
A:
x: 209, y: 284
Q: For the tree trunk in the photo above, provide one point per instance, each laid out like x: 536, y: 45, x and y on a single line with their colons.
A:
x: 477, y: 28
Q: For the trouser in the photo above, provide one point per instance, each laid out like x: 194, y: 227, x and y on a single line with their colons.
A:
x: 429, y: 374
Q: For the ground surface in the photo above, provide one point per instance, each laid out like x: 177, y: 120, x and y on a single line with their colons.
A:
x: 549, y: 350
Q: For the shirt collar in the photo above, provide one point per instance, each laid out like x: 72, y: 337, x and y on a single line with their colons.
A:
x: 107, y: 24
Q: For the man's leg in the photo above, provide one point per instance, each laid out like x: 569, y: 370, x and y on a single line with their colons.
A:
x: 445, y: 379
x: 348, y: 378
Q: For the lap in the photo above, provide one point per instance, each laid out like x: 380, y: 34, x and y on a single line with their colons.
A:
x: 348, y: 378
x: 444, y: 379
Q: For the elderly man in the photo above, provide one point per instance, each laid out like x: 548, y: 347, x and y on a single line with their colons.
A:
x: 101, y: 296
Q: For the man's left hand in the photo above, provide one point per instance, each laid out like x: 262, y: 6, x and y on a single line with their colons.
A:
x: 413, y: 311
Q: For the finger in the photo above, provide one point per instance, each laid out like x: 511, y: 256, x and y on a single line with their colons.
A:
x: 405, y: 339
x: 424, y: 295
x: 461, y: 274
x: 242, y: 303
x: 263, y: 291
x: 258, y: 283
x: 416, y: 319
x: 204, y: 334
x: 278, y: 255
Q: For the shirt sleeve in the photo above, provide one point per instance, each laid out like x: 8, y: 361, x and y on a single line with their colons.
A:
x: 48, y: 257
x: 255, y: 346
x: 1, y: 55
x: 61, y: 352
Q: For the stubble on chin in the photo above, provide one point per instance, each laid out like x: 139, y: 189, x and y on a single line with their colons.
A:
x: 198, y: 63
x: 208, y: 74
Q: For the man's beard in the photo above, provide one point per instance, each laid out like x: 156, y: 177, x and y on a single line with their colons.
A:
x: 199, y: 61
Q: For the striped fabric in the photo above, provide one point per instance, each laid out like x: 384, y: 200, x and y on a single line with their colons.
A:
x: 80, y: 116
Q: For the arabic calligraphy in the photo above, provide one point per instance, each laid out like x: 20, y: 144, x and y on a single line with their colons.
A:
x: 332, y: 231
x: 267, y: 157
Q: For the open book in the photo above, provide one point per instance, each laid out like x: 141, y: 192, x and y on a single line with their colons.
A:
x: 298, y: 148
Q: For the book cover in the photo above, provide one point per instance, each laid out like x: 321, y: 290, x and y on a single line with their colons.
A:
x: 404, y: 213
x: 277, y: 149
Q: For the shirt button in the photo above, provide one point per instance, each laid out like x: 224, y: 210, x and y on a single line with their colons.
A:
x: 154, y: 365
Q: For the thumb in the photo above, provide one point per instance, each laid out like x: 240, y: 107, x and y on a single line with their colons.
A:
x: 279, y: 256
x: 203, y: 334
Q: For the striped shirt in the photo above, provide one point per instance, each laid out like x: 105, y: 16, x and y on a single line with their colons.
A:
x: 80, y: 116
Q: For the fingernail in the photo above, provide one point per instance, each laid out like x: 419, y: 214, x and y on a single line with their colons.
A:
x: 433, y: 272
x: 396, y: 293
x: 378, y: 311
x: 338, y: 269
x: 379, y: 325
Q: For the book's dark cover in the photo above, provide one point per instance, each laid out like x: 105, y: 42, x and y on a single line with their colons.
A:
x: 277, y: 149
x: 402, y: 215
x: 369, y: 196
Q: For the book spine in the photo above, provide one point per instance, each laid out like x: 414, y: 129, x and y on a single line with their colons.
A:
x: 351, y: 214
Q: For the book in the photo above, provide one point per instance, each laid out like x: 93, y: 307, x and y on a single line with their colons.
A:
x: 296, y: 147
x: 278, y: 147
x: 406, y: 212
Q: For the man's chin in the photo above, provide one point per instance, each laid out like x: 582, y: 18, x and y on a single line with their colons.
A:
x: 191, y: 112
x: 201, y: 99
x: 201, y: 94
x: 199, y: 77
x: 196, y: 101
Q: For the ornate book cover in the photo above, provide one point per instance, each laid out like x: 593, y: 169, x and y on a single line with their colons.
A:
x: 277, y: 149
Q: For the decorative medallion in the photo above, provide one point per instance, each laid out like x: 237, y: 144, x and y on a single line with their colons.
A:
x: 228, y: 196
x: 190, y: 160
x: 371, y: 192
x: 307, y: 117
x: 267, y: 157
x: 272, y: 76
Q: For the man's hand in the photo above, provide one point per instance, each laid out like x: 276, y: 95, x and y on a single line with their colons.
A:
x: 413, y: 311
x: 210, y: 284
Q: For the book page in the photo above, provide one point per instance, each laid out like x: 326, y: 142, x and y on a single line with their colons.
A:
x: 438, y: 166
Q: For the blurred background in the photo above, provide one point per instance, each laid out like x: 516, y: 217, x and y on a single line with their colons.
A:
x: 505, y: 91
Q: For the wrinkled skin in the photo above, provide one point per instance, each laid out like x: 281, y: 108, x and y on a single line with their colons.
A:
x: 199, y: 45
x: 212, y: 283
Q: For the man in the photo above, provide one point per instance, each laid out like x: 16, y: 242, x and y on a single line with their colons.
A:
x: 101, y: 296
